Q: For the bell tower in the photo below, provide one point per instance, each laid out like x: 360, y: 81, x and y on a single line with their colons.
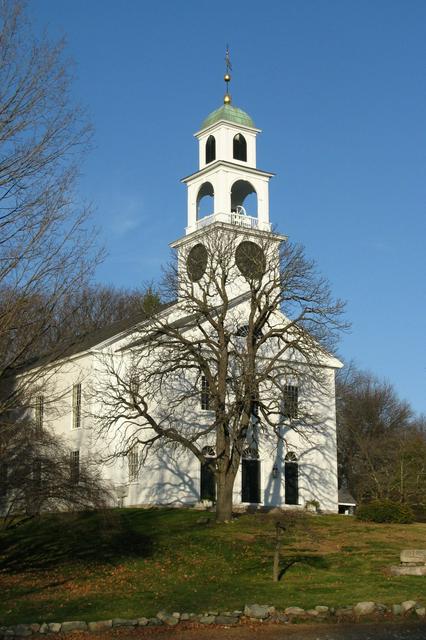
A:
x: 228, y: 189
x: 227, y: 172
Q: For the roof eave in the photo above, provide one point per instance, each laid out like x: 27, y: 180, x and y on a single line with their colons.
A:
x: 237, y: 125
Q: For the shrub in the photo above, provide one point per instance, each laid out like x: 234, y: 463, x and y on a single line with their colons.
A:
x: 385, y: 511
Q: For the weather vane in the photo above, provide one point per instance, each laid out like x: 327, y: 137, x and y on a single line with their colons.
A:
x: 227, y: 77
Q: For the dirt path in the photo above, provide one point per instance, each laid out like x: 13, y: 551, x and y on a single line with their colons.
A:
x: 375, y: 631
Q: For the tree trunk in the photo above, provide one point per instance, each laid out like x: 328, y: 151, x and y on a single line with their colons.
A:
x: 276, y: 565
x: 225, y: 485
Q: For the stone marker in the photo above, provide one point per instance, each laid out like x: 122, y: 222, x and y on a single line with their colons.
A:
x: 408, y: 570
x: 416, y: 556
x: 54, y: 627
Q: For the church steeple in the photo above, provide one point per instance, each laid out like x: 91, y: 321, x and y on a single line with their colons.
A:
x: 228, y: 197
x: 219, y: 191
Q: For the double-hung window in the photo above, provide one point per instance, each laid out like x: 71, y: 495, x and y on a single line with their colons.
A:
x: 133, y: 461
x: 291, y: 401
x: 74, y: 467
x: 205, y: 394
x: 76, y: 406
x: 39, y: 413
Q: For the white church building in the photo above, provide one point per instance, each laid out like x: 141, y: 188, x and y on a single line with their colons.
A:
x: 227, y: 192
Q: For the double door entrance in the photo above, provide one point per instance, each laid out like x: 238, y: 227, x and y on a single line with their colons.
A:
x: 250, y: 482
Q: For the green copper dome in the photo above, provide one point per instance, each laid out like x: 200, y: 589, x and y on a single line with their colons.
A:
x: 231, y: 114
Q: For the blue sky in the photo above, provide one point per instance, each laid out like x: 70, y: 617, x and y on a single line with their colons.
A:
x: 338, y: 88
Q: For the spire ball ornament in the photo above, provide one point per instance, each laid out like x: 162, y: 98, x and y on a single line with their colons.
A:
x: 227, y: 77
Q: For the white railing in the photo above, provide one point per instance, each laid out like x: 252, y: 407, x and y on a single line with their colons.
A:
x: 237, y: 219
x: 242, y: 220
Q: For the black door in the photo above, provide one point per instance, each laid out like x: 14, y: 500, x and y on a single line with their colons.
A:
x: 208, y: 484
x: 250, y: 481
x: 291, y: 475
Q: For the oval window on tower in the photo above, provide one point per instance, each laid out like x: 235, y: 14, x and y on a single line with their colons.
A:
x: 250, y: 260
x: 196, y: 262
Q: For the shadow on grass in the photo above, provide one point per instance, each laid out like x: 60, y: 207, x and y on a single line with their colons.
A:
x: 318, y: 562
x: 69, y: 538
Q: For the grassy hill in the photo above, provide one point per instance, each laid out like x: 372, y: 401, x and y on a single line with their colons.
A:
x: 129, y: 563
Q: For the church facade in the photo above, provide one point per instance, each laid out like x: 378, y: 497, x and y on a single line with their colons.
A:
x: 228, y: 203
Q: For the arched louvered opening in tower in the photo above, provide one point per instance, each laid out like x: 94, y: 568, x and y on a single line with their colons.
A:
x: 240, y: 148
x: 205, y: 200
x: 210, y: 149
x: 244, y: 198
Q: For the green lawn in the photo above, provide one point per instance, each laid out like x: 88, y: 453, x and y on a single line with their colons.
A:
x: 129, y: 563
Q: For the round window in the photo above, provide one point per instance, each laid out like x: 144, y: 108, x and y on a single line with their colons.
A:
x: 196, y: 262
x: 250, y: 260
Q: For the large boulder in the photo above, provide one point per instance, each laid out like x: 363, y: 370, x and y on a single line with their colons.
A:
x: 124, y: 622
x: 100, y: 625
x: 408, y: 605
x: 294, y: 611
x: 22, y: 630
x: 222, y: 619
x: 74, y: 625
x: 364, y: 608
x: 258, y: 611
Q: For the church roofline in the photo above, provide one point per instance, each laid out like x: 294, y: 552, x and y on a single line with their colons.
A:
x: 232, y: 165
x: 222, y: 121
x: 231, y: 227
x: 81, y: 345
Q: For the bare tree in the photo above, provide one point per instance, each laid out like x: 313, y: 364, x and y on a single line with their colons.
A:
x: 78, y: 312
x: 39, y: 473
x: 46, y: 248
x: 227, y: 344
x: 381, y: 443
x: 97, y: 306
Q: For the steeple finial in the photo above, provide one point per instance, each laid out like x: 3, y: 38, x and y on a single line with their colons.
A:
x: 227, y: 77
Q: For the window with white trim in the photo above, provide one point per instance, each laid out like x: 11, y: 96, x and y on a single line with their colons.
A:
x: 205, y: 394
x: 133, y: 462
x: 74, y: 467
x: 76, y: 406
x: 37, y: 470
x: 39, y: 412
